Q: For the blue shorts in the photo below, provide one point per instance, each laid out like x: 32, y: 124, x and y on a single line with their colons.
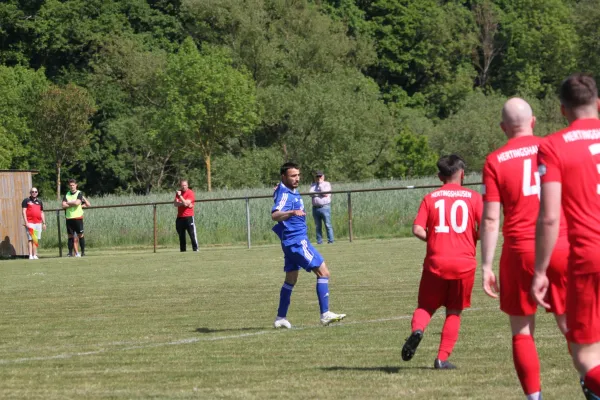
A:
x: 301, y: 255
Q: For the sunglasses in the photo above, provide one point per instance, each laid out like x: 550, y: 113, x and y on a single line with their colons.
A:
x: 34, y: 191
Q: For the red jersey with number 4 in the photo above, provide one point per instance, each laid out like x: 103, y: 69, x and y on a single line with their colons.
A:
x: 510, y: 177
x: 451, y: 215
x: 572, y: 157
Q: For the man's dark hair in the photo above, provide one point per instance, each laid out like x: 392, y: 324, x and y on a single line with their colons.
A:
x: 288, y: 165
x: 449, y: 165
x: 72, y: 181
x: 578, y: 90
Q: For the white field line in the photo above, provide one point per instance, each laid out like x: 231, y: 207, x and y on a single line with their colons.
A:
x: 207, y: 339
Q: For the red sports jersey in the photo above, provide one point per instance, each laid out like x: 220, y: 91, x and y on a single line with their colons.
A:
x: 34, y: 207
x: 572, y: 157
x: 186, y: 211
x: 451, y: 215
x: 510, y: 176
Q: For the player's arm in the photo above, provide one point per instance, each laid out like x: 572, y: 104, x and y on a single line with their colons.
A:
x: 420, y: 221
x: 285, y: 215
x: 419, y: 232
x: 84, y: 201
x: 490, y: 226
x: 185, y: 202
x: 178, y: 199
x: 65, y: 203
x: 326, y: 188
x: 24, y: 216
x: 546, y: 234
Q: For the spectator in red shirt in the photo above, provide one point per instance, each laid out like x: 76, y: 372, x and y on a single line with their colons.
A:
x: 448, y: 221
x: 569, y: 167
x: 184, y: 201
x: 34, y: 218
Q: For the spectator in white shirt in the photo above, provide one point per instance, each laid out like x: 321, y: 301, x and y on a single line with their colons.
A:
x: 321, y: 206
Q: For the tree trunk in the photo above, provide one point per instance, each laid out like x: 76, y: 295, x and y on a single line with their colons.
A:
x: 58, y: 180
x: 208, y: 173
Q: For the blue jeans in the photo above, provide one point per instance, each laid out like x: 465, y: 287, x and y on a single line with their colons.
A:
x: 323, y: 214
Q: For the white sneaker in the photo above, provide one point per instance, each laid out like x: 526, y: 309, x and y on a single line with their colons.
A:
x: 31, y: 258
x: 35, y: 258
x: 77, y: 255
x: 282, y: 323
x: 329, y: 317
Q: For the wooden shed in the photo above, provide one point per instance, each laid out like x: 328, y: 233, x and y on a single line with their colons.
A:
x: 14, y: 187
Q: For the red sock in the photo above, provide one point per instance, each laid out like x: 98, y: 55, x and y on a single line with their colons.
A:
x: 592, y: 380
x: 527, y: 363
x: 449, y: 336
x: 420, y: 319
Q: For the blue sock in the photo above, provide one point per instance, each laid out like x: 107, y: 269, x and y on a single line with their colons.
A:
x: 323, y: 294
x: 284, y: 299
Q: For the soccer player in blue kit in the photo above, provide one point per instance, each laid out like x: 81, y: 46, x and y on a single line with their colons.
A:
x: 288, y: 212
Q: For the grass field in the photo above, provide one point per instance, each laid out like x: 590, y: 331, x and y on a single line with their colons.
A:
x: 190, y: 325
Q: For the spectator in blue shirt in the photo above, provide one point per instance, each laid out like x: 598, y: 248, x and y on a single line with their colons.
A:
x: 288, y: 212
x: 321, y: 206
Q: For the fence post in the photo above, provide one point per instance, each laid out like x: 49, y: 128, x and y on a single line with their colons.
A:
x: 248, y: 222
x: 350, y: 216
x: 59, y: 238
x: 154, y: 223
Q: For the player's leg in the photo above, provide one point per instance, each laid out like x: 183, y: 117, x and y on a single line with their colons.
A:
x: 318, y: 226
x: 583, y: 320
x: 38, y: 233
x: 328, y: 226
x: 525, y: 356
x: 70, y: 239
x: 586, y: 358
x: 191, y: 229
x: 327, y: 316
x: 431, y: 295
x: 448, y: 339
x: 29, y: 242
x: 516, y: 274
x: 458, y: 298
x: 80, y: 237
x: 285, y: 294
x: 181, y: 229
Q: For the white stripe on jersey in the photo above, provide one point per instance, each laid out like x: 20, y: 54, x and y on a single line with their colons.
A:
x: 282, y: 202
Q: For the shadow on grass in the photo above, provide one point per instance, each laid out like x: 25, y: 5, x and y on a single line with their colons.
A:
x: 209, y: 330
x: 387, y: 369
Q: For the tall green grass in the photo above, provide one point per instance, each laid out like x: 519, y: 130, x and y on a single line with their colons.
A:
x: 374, y: 215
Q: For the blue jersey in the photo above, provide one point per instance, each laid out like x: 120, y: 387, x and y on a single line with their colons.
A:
x: 294, y: 229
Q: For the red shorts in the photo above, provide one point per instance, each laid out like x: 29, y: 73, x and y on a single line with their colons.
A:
x: 583, y: 308
x: 516, y: 274
x: 454, y: 294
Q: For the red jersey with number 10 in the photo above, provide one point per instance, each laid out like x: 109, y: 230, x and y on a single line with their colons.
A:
x: 451, y: 215
x: 510, y: 177
x: 572, y: 157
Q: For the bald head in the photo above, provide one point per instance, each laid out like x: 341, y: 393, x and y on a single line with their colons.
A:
x: 517, y: 118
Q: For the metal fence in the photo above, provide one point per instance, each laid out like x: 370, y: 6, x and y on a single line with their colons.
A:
x: 247, y: 200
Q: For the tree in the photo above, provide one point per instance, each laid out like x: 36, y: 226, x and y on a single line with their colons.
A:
x: 333, y: 121
x: 62, y: 124
x: 279, y: 41
x: 586, y: 17
x: 487, y: 20
x: 540, y: 46
x: 425, y: 52
x: 208, y: 101
x: 19, y: 89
